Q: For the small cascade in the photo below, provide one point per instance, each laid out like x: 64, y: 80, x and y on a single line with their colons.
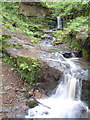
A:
x: 65, y: 102
x: 59, y: 23
x: 72, y: 88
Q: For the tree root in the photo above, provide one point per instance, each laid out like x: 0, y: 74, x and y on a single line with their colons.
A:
x: 38, y: 101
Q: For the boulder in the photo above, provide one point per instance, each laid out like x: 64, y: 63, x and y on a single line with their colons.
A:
x: 38, y: 70
x: 33, y: 10
x: 85, y: 91
x: 31, y: 103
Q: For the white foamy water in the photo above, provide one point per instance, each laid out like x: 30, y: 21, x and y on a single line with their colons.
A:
x: 65, y: 103
x: 59, y: 22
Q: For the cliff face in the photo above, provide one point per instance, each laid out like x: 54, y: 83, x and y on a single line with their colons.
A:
x: 33, y: 10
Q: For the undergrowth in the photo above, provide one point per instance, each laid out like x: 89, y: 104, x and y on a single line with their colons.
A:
x: 27, y: 67
x: 13, y: 20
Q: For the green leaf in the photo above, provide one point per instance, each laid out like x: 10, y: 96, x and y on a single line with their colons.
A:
x: 24, y: 66
x: 29, y: 69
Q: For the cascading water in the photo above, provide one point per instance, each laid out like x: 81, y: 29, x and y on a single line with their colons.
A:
x: 72, y: 88
x: 59, y: 22
x: 65, y: 103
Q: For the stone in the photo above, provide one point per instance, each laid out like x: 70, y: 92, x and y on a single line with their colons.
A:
x: 5, y: 110
x: 33, y: 10
x: 7, y: 88
x: 85, y: 91
x: 67, y: 55
x: 46, y: 74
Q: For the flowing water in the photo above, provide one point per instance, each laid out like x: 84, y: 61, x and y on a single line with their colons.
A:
x: 65, y: 102
x: 59, y: 23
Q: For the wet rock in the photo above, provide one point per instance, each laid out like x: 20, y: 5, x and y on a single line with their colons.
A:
x: 67, y: 55
x: 5, y: 110
x: 47, y: 76
x: 78, y: 54
x: 11, y: 51
x: 20, y: 110
x: 85, y: 91
x: 45, y: 113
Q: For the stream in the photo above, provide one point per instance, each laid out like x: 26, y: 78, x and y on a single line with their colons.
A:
x: 65, y: 101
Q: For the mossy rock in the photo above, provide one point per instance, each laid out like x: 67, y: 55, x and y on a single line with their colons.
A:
x: 18, y: 46
x: 85, y: 54
x: 8, y: 42
x: 29, y: 61
x: 31, y: 103
x: 4, y: 41
x: 42, y: 37
x: 28, y: 95
x: 58, y: 42
x: 6, y: 37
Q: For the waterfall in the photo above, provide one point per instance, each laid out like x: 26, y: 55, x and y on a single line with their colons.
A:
x: 59, y: 23
x: 72, y: 88
x: 65, y: 102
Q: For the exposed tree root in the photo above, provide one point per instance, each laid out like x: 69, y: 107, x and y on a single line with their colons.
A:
x: 38, y: 101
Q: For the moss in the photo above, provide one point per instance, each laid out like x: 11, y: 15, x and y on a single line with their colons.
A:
x: 85, y: 54
x: 43, y: 37
x: 6, y: 37
x: 18, y: 46
x: 27, y: 60
x: 31, y: 103
x: 58, y: 42
x: 4, y: 42
x: 7, y: 42
x: 27, y: 95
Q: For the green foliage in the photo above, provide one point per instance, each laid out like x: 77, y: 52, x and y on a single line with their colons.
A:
x: 75, y: 33
x: 34, y: 40
x: 28, y: 68
x: 76, y: 20
x: 6, y: 43
x: 59, y: 35
x: 39, y: 4
x: 13, y: 20
x: 77, y: 28
x: 6, y: 37
x: 10, y: 61
x: 70, y: 10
